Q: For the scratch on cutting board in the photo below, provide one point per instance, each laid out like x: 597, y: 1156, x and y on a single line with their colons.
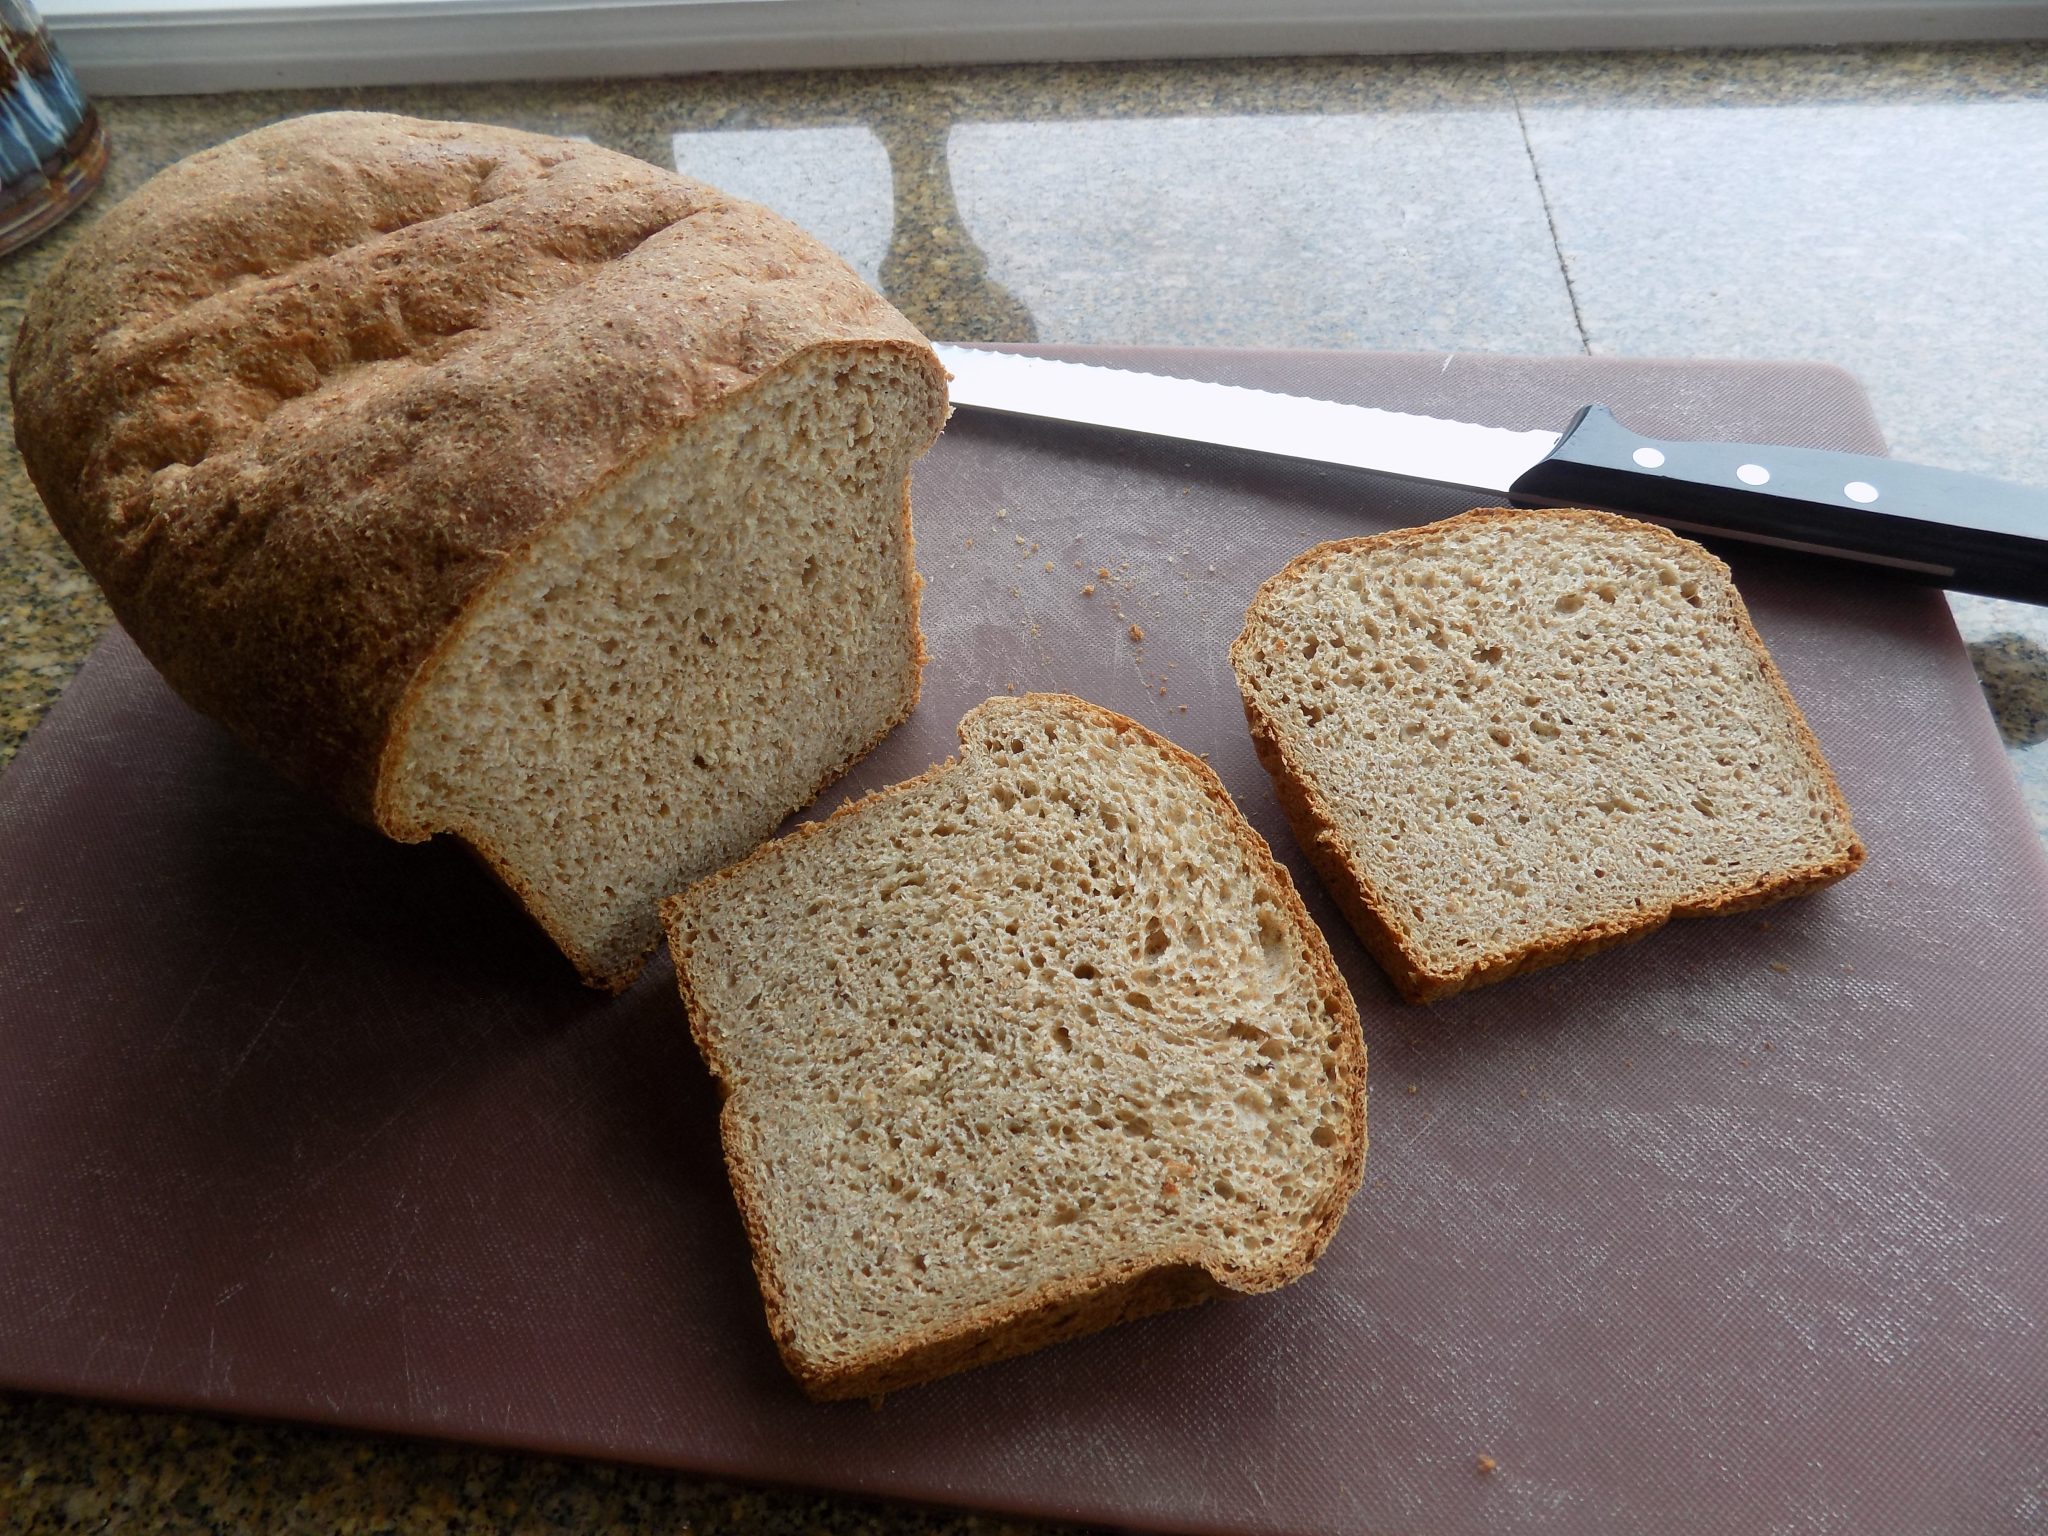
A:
x: 412, y: 1389
x: 402, y: 1235
x: 55, y: 1307
x: 400, y: 1246
x: 142, y: 1372
x: 199, y: 986
x: 356, y: 1151
x: 263, y: 1029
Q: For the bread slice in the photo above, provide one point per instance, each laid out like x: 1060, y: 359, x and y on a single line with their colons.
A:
x: 496, y: 485
x: 1037, y: 1042
x: 1515, y: 737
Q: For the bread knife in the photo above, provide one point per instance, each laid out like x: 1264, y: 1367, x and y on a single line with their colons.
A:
x: 1962, y: 531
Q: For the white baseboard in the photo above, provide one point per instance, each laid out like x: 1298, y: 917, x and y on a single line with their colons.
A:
x: 159, y: 47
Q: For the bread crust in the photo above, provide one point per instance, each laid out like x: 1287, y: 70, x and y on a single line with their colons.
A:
x: 1373, y: 917
x: 299, y: 400
x: 1118, y: 1293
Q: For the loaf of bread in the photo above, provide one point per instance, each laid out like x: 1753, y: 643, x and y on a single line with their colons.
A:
x: 495, y: 485
x: 1037, y: 1042
x: 1512, y: 738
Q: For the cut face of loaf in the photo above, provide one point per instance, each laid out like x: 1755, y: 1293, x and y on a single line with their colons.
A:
x: 1037, y: 1042
x: 1511, y: 737
x: 650, y: 689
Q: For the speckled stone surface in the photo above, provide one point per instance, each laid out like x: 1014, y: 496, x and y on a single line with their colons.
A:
x: 78, y: 1467
x: 1869, y: 206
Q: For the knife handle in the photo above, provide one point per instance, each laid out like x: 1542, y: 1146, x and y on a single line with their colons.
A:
x: 1967, y: 532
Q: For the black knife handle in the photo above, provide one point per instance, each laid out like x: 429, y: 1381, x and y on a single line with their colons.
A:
x: 1966, y: 532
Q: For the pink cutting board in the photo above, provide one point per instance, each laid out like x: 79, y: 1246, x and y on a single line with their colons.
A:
x: 1744, y: 1228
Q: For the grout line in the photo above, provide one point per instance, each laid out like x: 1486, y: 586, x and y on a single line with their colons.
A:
x: 1549, y: 217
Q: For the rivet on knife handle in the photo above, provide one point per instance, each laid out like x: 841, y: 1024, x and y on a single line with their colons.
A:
x: 1961, y: 530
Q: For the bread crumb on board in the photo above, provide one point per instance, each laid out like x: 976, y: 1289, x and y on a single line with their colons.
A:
x: 1488, y: 1466
x: 1781, y: 968
x: 1089, y: 590
x: 1137, y: 634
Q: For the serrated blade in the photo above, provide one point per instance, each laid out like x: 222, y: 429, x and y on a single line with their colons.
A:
x: 1292, y: 426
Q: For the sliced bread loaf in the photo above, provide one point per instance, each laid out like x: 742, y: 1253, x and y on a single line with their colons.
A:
x: 1037, y: 1042
x: 497, y: 485
x: 1514, y: 737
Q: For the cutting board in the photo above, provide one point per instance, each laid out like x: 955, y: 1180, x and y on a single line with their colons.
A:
x: 1742, y: 1228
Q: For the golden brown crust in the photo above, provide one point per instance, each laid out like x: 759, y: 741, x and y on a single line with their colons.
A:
x: 297, y: 400
x: 1051, y: 1317
x: 1315, y: 825
x: 1117, y: 1294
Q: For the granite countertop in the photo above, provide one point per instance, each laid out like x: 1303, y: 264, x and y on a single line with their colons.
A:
x: 1473, y: 203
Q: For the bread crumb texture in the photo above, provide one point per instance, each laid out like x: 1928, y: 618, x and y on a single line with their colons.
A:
x: 1514, y: 737
x: 473, y: 478
x: 658, y: 682
x: 1038, y: 1042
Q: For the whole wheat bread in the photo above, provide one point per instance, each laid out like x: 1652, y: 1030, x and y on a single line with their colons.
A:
x: 495, y: 484
x: 1037, y: 1042
x: 1515, y: 737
